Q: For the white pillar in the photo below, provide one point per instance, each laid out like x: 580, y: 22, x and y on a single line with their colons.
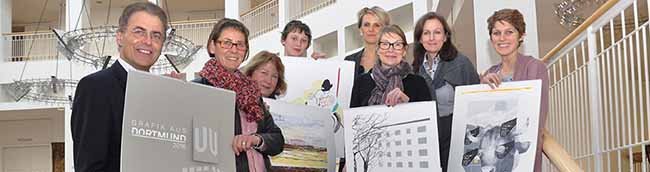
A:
x: 420, y: 8
x: 232, y: 9
x: 486, y: 55
x: 67, y: 134
x: 73, y: 20
x: 5, y: 27
x: 73, y: 14
x: 282, y: 21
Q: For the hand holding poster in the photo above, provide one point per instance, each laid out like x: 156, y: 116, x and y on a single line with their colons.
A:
x: 172, y: 125
x: 400, y: 138
x: 308, y: 137
x: 495, y: 129
x: 321, y: 83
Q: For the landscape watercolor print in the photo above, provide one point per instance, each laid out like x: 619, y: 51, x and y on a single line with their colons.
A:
x: 307, y: 132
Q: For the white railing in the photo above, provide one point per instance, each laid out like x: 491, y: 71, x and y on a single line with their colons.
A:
x: 262, y: 19
x: 30, y: 46
x: 196, y: 31
x: 599, y: 93
x: 42, y: 45
x: 298, y: 9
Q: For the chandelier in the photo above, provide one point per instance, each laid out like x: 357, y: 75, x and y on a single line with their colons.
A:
x: 89, y: 46
x: 569, y: 11
x: 46, y: 90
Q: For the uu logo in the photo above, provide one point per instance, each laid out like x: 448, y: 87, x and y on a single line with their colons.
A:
x: 205, y: 144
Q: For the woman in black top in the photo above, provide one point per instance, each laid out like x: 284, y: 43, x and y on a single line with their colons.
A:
x: 390, y: 82
x: 369, y: 21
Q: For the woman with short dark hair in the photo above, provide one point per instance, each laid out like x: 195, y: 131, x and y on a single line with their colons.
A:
x: 507, y: 30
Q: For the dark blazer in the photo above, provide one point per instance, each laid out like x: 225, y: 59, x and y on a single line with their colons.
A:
x: 271, y: 135
x: 356, y: 58
x: 96, y: 121
x: 414, y: 87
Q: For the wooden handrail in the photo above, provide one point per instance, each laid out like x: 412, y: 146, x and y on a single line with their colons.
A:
x: 557, y: 154
x: 597, y: 14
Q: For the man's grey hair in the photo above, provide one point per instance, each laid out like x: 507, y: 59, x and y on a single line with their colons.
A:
x: 148, y: 7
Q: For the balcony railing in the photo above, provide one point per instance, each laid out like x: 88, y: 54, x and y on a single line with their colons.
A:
x: 196, y: 31
x: 30, y: 46
x: 262, y: 19
x: 298, y: 9
x: 42, y: 45
x: 599, y: 94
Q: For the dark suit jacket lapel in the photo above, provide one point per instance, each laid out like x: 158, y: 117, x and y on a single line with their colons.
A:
x: 119, y: 73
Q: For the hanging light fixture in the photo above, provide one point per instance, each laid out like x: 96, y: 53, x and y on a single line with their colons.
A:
x: 45, y: 90
x: 569, y: 11
x: 82, y: 45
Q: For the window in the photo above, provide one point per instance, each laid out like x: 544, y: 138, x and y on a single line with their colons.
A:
x: 408, y: 142
x: 398, y: 154
x: 422, y: 129
x: 409, y: 153
x: 398, y: 143
x: 410, y: 164
x: 399, y: 164
x: 422, y: 140
x: 422, y: 152
x: 424, y: 164
x: 408, y: 131
x: 398, y: 132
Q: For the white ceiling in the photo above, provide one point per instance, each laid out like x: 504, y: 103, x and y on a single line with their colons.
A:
x: 29, y: 11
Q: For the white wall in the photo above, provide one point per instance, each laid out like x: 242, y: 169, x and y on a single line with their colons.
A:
x: 486, y: 56
x: 26, y: 124
x: 5, y: 26
x: 333, y: 18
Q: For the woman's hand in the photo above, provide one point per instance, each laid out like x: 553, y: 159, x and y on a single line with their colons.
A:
x: 396, y: 96
x: 318, y: 55
x: 243, y: 143
x: 492, y: 79
x: 180, y: 76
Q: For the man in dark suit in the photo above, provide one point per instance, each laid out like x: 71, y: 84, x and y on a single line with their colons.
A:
x: 98, y: 105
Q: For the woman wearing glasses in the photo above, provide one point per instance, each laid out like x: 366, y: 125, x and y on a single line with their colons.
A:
x: 256, y: 135
x: 390, y: 82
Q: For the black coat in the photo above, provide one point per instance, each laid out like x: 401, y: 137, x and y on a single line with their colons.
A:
x: 356, y: 58
x: 271, y: 135
x: 96, y: 121
x: 414, y: 87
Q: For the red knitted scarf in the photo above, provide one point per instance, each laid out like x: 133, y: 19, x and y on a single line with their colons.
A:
x: 247, y: 93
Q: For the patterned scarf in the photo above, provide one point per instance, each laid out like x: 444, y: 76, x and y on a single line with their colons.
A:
x: 387, y: 79
x: 247, y: 93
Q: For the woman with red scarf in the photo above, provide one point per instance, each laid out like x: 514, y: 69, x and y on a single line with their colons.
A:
x: 256, y: 135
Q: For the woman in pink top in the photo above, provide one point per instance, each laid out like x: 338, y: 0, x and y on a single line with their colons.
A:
x: 507, y: 31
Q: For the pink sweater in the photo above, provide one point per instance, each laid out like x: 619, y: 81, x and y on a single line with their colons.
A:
x: 529, y: 68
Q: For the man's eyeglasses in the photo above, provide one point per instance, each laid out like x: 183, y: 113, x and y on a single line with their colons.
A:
x: 227, y: 44
x: 396, y: 45
x: 142, y: 33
